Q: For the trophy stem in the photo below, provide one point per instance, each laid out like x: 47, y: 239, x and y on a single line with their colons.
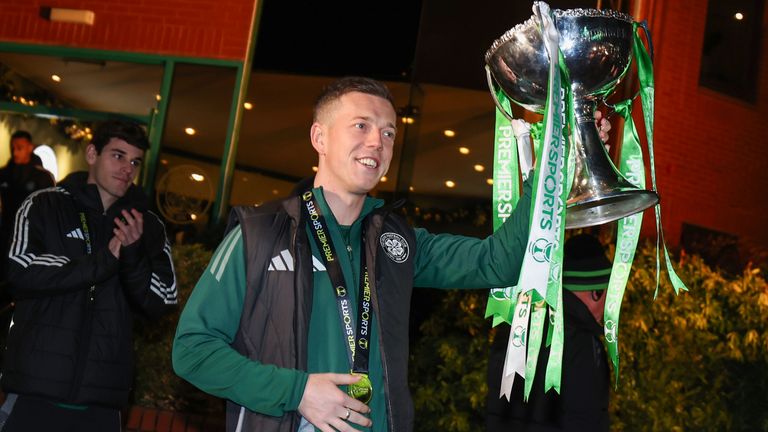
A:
x: 600, y: 194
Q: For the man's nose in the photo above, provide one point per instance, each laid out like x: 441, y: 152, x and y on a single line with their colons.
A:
x: 374, y: 139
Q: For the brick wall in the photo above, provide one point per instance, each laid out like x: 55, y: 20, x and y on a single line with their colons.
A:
x: 711, y: 149
x: 195, y: 28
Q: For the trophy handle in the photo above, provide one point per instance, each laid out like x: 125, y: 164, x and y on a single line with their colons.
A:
x: 644, y: 25
x: 492, y: 88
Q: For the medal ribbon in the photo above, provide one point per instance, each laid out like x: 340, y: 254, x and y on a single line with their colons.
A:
x: 356, y: 336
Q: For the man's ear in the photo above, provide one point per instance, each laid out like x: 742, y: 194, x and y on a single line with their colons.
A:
x: 317, y: 136
x: 91, y: 154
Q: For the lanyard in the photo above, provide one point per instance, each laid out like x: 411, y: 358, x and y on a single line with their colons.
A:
x: 356, y: 341
x: 88, y: 251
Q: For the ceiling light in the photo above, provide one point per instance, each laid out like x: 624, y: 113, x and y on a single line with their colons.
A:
x: 76, y: 16
x: 314, y: 168
x: 479, y: 168
x: 464, y: 150
x: 408, y: 120
x: 384, y: 179
x: 158, y: 97
x: 190, y: 131
x: 489, y: 181
x: 248, y: 105
x: 449, y: 133
x: 193, y: 216
x: 739, y: 16
x: 450, y: 183
x: 56, y: 78
x: 197, y: 177
x: 410, y: 188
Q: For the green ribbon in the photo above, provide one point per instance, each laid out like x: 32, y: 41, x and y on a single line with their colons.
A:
x: 555, y: 286
x: 645, y: 75
x: 506, y: 194
x: 628, y: 234
x: 557, y: 122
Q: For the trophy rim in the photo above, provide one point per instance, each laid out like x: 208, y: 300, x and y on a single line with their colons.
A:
x: 559, y: 13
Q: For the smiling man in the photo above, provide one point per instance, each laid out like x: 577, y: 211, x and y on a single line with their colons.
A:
x: 84, y: 256
x: 301, y: 319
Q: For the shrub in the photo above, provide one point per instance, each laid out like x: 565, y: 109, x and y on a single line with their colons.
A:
x: 697, y: 361
x: 156, y: 384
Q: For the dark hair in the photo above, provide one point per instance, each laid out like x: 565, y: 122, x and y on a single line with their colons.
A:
x: 342, y: 86
x: 130, y: 132
x: 21, y: 134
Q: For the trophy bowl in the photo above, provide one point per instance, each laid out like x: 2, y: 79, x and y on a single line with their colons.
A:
x: 597, y: 49
x: 596, y: 45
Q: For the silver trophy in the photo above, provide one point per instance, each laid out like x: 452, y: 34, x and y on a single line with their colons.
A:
x: 597, y: 47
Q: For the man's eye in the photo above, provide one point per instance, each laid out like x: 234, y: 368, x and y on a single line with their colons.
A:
x: 389, y: 134
x: 360, y: 125
x: 136, y: 163
x: 117, y: 155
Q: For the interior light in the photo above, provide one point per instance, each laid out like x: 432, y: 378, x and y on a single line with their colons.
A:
x: 489, y: 181
x: 314, y: 168
x: 739, y: 16
x: 193, y: 216
x: 248, y: 105
x: 158, y: 97
x: 450, y: 183
x: 197, y: 177
x: 48, y: 157
x: 464, y: 150
x: 449, y: 133
x: 479, y: 168
x: 383, y: 179
x: 408, y: 120
x: 56, y: 78
x: 410, y: 188
x: 190, y: 131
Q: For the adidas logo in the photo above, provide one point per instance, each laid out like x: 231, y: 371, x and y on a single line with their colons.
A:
x: 284, y: 262
x: 76, y: 234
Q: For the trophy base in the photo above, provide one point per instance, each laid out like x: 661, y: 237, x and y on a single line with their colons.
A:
x: 608, y: 207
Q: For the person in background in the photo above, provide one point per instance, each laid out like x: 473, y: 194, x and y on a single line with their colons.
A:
x: 583, y: 402
x: 22, y: 175
x: 84, y: 257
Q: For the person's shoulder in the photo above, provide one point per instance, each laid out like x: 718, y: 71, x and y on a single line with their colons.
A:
x: 50, y: 197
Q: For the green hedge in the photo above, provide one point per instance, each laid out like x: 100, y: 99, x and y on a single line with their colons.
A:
x: 697, y: 361
x: 156, y: 385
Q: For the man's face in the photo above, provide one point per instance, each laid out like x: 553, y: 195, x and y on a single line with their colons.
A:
x: 114, y: 170
x: 354, y: 137
x: 22, y: 150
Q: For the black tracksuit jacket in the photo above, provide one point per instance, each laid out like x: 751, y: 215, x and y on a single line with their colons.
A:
x: 71, y: 336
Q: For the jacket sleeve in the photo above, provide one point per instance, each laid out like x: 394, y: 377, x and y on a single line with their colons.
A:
x: 202, y: 352
x: 146, y: 270
x: 452, y: 261
x: 33, y: 271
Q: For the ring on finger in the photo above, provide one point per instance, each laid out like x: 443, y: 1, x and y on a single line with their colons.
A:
x: 346, y: 416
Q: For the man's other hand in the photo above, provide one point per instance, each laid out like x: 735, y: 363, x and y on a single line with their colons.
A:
x: 328, y: 408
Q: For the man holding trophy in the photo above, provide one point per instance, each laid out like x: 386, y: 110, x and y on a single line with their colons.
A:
x: 301, y: 319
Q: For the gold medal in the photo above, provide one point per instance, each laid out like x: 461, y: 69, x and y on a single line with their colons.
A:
x: 361, y: 390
